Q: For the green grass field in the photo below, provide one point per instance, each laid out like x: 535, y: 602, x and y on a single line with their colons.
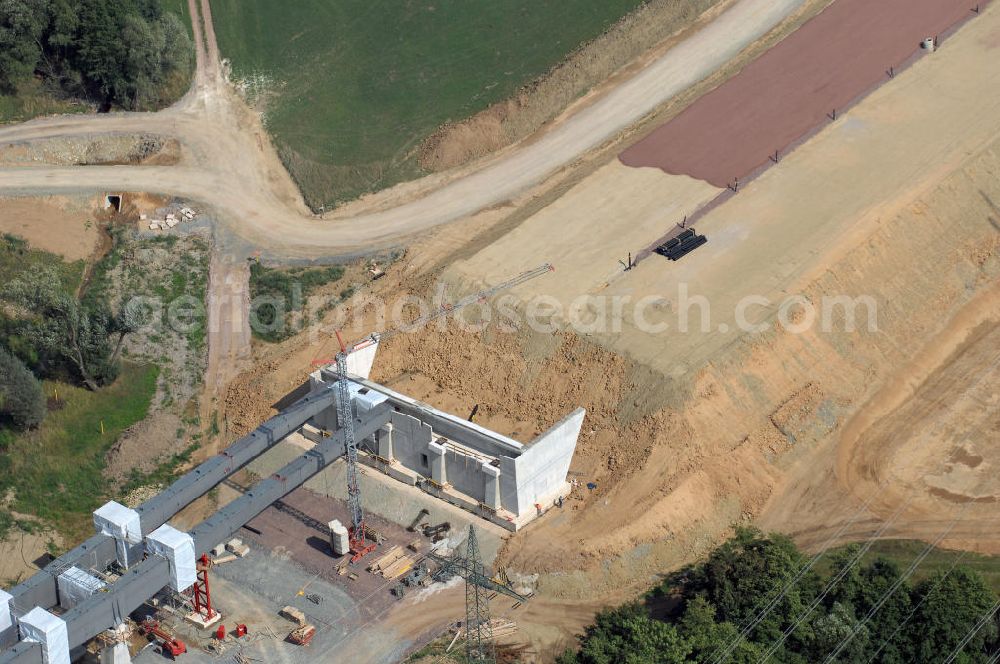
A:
x: 291, y: 287
x: 904, y: 552
x: 360, y: 84
x: 55, y: 471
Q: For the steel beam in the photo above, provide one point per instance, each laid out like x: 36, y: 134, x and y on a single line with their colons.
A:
x: 105, y: 610
x: 99, y: 550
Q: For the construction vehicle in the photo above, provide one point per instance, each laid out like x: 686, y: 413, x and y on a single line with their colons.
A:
x: 357, y: 539
x: 301, y: 636
x: 168, y: 643
x: 438, y: 532
x: 420, y: 517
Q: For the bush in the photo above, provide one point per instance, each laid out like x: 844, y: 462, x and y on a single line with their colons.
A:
x: 22, y: 401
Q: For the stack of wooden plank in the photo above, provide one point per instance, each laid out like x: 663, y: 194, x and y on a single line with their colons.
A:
x: 394, y: 563
x: 389, y: 557
x: 502, y: 627
x: 398, y: 568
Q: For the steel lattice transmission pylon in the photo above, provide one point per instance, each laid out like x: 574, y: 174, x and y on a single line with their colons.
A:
x: 478, y: 588
x: 478, y: 630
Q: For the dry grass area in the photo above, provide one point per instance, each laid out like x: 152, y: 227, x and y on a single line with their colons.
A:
x: 58, y: 224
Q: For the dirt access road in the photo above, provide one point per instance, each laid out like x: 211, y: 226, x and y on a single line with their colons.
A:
x: 229, y: 164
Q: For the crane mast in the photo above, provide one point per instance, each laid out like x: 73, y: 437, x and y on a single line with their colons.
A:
x: 345, y: 417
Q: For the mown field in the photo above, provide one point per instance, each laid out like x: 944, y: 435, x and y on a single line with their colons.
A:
x: 354, y: 86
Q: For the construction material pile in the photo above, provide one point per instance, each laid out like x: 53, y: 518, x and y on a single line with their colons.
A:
x: 393, y: 564
x: 170, y: 219
x: 678, y: 247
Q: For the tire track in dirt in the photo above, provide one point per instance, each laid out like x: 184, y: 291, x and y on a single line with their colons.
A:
x: 228, y: 321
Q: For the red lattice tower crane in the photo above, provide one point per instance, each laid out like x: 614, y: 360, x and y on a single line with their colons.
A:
x: 359, y: 545
x: 345, y: 418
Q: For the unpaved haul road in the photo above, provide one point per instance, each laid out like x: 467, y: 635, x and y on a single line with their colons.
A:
x: 228, y: 166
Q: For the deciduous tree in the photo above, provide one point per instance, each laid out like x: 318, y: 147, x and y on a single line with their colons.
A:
x: 22, y: 401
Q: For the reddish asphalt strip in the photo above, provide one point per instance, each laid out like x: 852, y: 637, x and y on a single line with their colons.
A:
x: 789, y: 90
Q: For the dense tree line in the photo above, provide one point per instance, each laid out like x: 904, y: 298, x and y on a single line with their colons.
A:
x: 870, y: 615
x: 113, y: 52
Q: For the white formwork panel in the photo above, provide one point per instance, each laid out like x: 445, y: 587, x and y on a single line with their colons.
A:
x: 361, y: 360
x: 42, y: 627
x: 178, y: 549
x: 75, y: 585
x: 116, y: 520
x: 6, y: 619
x: 366, y: 400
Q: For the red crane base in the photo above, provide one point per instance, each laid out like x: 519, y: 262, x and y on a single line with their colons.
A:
x: 360, y: 547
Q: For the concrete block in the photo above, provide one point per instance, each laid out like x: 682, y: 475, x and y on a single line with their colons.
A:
x: 116, y: 654
x: 360, y: 362
x: 339, y: 538
x: 384, y: 437
x: 200, y: 621
x: 75, y: 586
x: 491, y: 485
x: 237, y: 547
x: 541, y: 471
x: 366, y: 401
x: 123, y: 524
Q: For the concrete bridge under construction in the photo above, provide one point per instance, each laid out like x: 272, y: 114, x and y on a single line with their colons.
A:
x: 136, y: 554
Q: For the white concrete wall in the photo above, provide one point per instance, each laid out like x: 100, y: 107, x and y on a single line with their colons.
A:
x: 541, y: 471
x: 411, y: 438
x: 529, y: 474
x: 465, y: 474
x: 6, y: 618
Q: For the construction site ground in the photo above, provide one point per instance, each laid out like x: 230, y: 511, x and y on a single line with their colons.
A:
x: 291, y: 555
x: 824, y: 434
